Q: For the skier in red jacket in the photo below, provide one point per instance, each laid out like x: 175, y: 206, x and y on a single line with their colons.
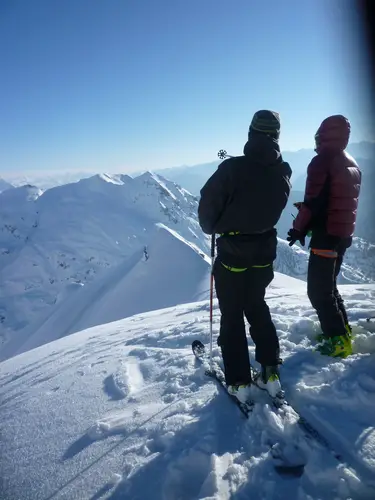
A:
x: 329, y: 212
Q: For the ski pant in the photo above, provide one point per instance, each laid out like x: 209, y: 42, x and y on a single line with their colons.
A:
x: 239, y: 294
x: 324, y: 295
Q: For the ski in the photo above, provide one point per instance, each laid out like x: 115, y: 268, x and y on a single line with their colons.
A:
x: 281, y: 464
x: 278, y: 402
x: 217, y: 375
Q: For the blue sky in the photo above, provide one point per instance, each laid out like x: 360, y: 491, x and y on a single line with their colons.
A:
x: 122, y: 85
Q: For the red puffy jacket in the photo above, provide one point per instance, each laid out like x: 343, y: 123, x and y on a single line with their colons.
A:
x: 332, y: 189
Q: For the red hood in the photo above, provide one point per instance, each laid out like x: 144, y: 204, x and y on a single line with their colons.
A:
x: 333, y: 134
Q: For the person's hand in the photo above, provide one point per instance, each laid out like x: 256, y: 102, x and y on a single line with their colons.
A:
x: 297, y: 205
x: 295, y: 235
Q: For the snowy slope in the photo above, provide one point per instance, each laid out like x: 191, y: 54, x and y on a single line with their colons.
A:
x: 76, y: 232
x: 361, y: 257
x: 53, y: 242
x: 122, y: 411
x: 4, y: 185
x: 358, y: 267
x: 175, y: 272
x: 18, y: 216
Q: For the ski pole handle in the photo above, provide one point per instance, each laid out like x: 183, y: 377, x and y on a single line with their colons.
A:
x: 213, y: 241
x: 223, y: 154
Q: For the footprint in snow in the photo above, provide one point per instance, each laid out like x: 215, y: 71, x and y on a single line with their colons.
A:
x: 127, y: 380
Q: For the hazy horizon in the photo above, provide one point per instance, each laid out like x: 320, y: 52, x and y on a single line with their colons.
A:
x: 7, y: 175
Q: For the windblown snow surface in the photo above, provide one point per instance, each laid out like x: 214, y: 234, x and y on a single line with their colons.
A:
x: 130, y: 288
x: 124, y: 411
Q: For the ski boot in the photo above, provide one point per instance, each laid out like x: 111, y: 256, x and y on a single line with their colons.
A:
x: 241, y: 392
x: 269, y: 380
x: 321, y: 337
x: 336, y: 347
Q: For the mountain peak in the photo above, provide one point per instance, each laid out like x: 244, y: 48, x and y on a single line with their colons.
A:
x: 20, y: 195
x: 4, y: 185
x: 111, y: 178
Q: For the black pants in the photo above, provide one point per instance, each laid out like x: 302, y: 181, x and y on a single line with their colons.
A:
x: 324, y: 295
x: 240, y: 294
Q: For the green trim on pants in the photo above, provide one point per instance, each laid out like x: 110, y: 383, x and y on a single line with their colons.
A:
x: 242, y: 269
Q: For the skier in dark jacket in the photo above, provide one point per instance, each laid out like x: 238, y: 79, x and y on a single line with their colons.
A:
x: 242, y: 202
x: 329, y: 212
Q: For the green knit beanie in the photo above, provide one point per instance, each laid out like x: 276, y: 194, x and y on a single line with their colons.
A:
x: 266, y: 122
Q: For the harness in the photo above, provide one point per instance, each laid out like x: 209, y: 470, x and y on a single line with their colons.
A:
x: 240, y: 269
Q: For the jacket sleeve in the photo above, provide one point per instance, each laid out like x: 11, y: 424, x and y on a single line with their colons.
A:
x: 214, y: 197
x: 317, y: 174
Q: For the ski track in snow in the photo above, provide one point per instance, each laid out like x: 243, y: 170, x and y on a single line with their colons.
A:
x: 123, y: 411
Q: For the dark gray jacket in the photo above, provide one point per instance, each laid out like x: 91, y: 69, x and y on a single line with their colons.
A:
x: 247, y: 194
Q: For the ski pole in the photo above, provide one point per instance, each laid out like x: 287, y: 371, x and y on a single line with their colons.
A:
x: 212, y: 294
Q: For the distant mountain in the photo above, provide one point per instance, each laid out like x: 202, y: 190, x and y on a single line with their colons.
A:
x: 48, y: 179
x: 4, y: 185
x: 75, y: 232
x: 366, y: 165
x: 194, y: 177
x: 366, y: 211
x: 363, y: 149
x: 358, y: 267
x: 87, y: 239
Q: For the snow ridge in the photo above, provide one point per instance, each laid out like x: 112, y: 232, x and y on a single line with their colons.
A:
x: 135, y: 286
x: 74, y: 233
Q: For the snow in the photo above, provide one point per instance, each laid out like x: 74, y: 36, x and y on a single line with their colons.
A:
x: 57, y: 242
x: 122, y: 410
x: 76, y: 233
x: 104, y: 285
x: 358, y: 266
x: 132, y: 287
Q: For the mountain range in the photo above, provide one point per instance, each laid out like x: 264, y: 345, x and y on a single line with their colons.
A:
x: 104, y: 287
x: 88, y: 240
x: 76, y: 232
x: 192, y: 178
x: 4, y: 185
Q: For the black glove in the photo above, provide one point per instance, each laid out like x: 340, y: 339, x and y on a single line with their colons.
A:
x: 295, y: 235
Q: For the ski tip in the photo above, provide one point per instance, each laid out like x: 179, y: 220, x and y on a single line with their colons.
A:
x: 197, y: 345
